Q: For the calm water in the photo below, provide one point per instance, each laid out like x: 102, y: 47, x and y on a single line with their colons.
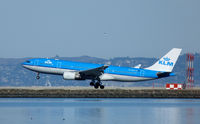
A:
x: 99, y: 111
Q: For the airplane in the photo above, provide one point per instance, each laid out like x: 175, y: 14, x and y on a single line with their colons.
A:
x: 99, y: 72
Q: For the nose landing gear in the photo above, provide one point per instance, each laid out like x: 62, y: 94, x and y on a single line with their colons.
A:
x: 38, y: 76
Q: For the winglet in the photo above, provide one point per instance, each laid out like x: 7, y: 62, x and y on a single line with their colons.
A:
x: 167, y: 62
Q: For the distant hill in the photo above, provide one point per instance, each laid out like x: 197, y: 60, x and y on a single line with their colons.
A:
x: 13, y: 74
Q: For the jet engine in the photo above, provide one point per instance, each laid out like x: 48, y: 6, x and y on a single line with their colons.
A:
x: 72, y: 76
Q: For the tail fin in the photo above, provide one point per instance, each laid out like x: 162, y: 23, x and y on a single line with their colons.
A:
x: 167, y: 62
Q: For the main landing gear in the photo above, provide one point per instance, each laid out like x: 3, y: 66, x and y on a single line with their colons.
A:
x: 97, y: 84
x: 38, y: 76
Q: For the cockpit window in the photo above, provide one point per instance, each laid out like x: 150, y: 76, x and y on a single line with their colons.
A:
x: 28, y: 61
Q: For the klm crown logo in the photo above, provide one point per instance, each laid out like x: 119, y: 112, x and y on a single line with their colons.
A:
x: 48, y: 62
x: 166, y: 62
x: 166, y: 59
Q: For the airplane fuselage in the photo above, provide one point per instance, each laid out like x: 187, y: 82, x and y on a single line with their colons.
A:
x: 112, y: 73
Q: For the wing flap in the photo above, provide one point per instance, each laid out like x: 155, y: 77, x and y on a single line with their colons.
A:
x: 95, y: 72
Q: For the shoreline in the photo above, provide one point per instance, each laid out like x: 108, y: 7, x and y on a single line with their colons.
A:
x: 90, y: 92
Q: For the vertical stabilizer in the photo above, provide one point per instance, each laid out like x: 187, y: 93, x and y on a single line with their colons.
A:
x: 167, y: 62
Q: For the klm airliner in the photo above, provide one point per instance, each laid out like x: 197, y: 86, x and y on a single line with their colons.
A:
x: 98, y: 72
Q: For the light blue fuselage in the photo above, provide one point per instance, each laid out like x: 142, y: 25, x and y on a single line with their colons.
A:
x: 112, y: 73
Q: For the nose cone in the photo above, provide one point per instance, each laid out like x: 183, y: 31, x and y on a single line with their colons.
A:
x: 26, y: 64
x: 27, y: 67
x: 23, y: 65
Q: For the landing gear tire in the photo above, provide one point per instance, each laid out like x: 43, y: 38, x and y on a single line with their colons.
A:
x: 96, y: 86
x: 38, y: 77
x: 91, y: 83
x: 97, y: 83
x: 102, y: 86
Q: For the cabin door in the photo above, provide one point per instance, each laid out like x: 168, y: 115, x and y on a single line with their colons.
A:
x: 59, y: 64
x: 36, y: 62
x: 142, y: 73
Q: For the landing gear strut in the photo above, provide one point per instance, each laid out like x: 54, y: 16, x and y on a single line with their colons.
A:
x: 97, y: 84
x: 38, y: 76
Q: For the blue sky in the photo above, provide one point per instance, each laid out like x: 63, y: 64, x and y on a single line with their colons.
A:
x: 99, y: 28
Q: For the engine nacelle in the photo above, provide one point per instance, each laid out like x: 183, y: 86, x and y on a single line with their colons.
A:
x: 72, y: 76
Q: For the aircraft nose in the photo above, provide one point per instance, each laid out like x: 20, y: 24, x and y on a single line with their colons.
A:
x: 25, y: 64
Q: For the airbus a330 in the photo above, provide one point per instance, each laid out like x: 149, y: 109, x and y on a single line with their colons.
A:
x: 98, y: 72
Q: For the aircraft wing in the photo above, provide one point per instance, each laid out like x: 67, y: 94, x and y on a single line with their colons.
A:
x: 95, y: 72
